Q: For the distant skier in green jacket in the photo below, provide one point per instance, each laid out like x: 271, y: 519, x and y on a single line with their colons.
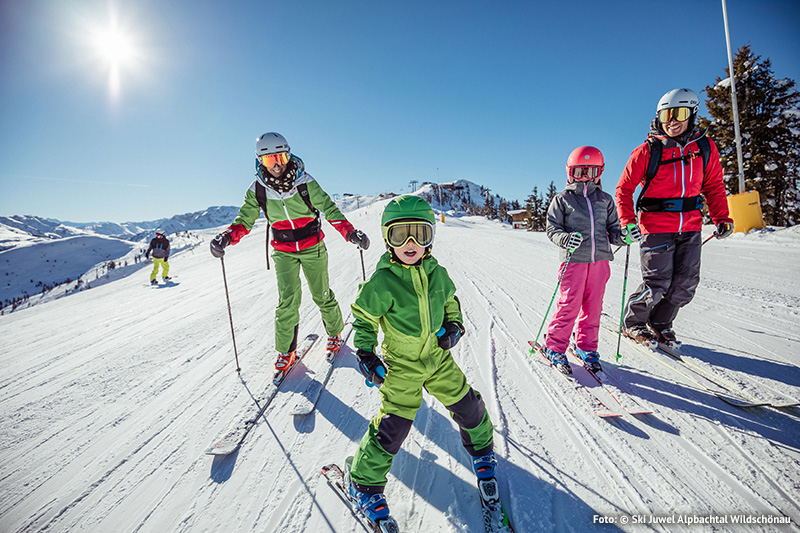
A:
x: 292, y: 201
x: 412, y: 299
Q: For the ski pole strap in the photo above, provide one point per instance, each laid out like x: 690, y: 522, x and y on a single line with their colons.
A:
x: 676, y: 205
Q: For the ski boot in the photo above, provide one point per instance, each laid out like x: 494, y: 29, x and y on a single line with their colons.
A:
x: 153, y: 282
x: 282, y: 365
x: 641, y: 335
x: 666, y: 336
x: 591, y: 360
x: 166, y: 278
x: 487, y: 483
x: 334, y: 343
x: 371, y: 506
x: 559, y: 360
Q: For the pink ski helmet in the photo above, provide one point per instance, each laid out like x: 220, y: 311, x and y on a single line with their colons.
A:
x: 585, y: 164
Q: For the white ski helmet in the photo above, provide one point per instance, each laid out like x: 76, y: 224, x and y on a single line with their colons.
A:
x: 271, y: 143
x: 679, y: 98
x: 160, y: 232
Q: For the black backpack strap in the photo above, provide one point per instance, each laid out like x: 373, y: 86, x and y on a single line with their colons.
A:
x: 261, y: 198
x: 705, y: 151
x: 652, y: 167
x: 303, y: 190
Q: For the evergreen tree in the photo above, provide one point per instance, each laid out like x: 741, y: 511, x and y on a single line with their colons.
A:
x: 769, y: 122
x: 502, y: 211
x: 490, y: 210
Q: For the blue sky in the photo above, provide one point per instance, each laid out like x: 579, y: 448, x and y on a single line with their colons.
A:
x: 371, y: 95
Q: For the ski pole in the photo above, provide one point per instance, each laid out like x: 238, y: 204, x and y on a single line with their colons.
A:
x: 569, y: 256
x: 230, y: 315
x: 708, y: 239
x: 622, y: 312
x: 363, y: 271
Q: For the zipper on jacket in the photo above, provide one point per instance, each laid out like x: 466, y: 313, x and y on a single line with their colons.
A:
x: 417, y: 272
x: 591, y: 217
x: 291, y: 223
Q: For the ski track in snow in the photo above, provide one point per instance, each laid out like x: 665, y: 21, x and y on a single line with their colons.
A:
x: 110, y: 396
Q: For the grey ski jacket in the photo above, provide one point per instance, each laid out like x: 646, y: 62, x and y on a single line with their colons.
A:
x: 586, y: 208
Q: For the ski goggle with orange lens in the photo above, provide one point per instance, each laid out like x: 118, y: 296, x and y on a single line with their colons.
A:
x: 398, y: 234
x: 678, y: 113
x: 584, y: 173
x: 270, y: 160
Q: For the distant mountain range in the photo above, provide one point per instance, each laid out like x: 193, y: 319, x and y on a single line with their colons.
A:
x: 460, y: 196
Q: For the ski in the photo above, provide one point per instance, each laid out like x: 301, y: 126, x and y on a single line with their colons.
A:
x: 236, y: 434
x: 336, y: 479
x: 594, y: 403
x: 728, y: 397
x: 628, y: 402
x: 720, y: 382
x: 308, y: 400
x: 729, y: 394
x: 495, y: 518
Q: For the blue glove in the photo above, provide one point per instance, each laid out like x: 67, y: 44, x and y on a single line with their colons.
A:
x: 371, y: 367
x: 449, y: 335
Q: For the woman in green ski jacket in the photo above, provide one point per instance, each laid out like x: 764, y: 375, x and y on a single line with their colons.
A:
x: 412, y: 299
x: 292, y: 200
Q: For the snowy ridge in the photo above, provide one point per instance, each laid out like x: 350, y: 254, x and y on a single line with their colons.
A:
x: 108, y: 399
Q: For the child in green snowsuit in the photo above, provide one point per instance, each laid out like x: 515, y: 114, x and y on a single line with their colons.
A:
x: 413, y: 300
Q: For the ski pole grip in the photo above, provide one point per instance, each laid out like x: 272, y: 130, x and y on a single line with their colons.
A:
x: 440, y: 332
x: 381, y: 372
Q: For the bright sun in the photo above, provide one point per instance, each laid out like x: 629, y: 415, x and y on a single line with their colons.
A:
x: 115, y: 46
x: 118, y: 52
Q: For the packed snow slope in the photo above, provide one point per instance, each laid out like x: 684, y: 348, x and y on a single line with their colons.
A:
x: 109, y: 397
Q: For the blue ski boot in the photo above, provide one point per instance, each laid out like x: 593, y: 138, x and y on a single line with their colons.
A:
x: 559, y: 360
x: 373, y: 506
x: 487, y: 483
x: 591, y: 360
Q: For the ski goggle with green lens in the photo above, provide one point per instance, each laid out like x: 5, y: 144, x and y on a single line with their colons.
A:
x: 678, y: 113
x: 398, y: 234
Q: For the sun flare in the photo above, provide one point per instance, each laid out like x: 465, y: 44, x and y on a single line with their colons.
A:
x: 115, y: 46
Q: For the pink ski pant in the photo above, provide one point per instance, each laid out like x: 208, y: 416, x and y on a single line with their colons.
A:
x: 580, y: 296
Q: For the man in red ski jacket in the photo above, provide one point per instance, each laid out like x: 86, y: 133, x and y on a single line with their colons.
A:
x: 669, y: 215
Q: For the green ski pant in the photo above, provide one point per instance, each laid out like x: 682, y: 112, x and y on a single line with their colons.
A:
x: 314, y: 263
x: 401, y: 396
x: 157, y: 261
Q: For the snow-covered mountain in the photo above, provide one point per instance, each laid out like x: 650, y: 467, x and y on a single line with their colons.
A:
x: 109, y: 397
x: 71, y: 254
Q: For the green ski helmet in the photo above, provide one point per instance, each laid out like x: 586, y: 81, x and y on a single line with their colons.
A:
x: 406, y: 208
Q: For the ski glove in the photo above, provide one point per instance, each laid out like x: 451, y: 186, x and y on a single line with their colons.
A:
x: 724, y: 229
x: 359, y: 238
x: 631, y: 233
x: 371, y: 366
x: 572, y: 241
x: 220, y: 242
x: 449, y: 335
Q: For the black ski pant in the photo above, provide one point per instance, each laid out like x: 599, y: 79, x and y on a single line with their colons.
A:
x: 670, y: 275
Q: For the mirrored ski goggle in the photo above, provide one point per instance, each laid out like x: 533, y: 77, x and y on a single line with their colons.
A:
x: 399, y: 233
x: 678, y: 113
x: 584, y: 173
x: 270, y: 160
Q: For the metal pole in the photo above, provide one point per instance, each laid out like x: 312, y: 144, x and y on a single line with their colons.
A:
x: 624, y: 287
x: 734, y: 104
x: 230, y: 315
